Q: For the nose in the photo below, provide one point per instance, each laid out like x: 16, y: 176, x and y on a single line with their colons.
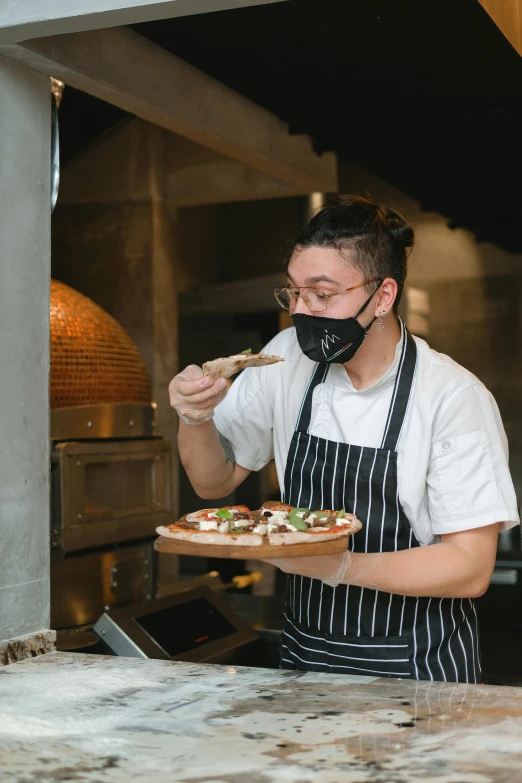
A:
x: 301, y: 306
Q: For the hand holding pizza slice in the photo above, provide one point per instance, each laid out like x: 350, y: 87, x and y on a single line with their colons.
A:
x: 195, y: 392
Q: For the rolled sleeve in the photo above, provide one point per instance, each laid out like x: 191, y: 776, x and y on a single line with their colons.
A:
x: 245, y: 419
x: 469, y: 483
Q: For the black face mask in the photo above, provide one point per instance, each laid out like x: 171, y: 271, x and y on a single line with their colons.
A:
x: 331, y: 339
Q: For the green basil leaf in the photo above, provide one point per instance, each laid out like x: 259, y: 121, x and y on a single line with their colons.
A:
x: 298, y: 523
x: 340, y: 515
x: 224, y: 513
x: 295, y: 520
x: 248, y: 350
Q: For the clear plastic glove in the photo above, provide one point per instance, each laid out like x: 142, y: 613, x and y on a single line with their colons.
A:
x: 194, y: 396
x: 330, y: 569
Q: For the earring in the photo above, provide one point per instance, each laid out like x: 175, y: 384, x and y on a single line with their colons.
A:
x: 380, y: 325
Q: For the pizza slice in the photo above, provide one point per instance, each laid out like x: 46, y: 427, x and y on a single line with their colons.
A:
x: 230, y: 365
x: 217, y: 526
x: 231, y: 513
x: 288, y: 525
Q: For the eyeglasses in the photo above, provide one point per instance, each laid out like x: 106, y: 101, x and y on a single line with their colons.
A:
x: 314, y: 298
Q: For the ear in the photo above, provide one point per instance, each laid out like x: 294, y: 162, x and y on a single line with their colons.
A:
x: 386, y: 296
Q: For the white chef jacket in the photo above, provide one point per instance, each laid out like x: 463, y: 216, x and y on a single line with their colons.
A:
x: 452, y: 459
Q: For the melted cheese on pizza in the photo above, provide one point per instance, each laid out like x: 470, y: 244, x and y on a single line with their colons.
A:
x: 271, y: 521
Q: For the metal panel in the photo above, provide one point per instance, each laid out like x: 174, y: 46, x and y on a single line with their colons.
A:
x: 83, y: 586
x: 126, y: 637
x: 116, y: 638
x: 109, y: 492
x: 103, y: 421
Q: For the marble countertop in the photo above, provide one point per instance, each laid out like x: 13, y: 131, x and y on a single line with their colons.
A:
x: 72, y: 717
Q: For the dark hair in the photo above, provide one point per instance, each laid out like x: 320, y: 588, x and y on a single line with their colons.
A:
x: 376, y: 237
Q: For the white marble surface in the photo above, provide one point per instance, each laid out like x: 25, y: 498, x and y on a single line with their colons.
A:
x: 71, y: 717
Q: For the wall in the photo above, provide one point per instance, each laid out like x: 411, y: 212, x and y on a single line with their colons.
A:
x: 197, y: 247
x: 24, y: 350
x: 440, y: 253
x: 252, y: 236
x: 476, y: 303
x: 476, y: 322
x: 104, y: 251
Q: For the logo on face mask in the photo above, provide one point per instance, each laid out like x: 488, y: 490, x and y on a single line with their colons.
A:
x: 325, y: 342
x: 328, y: 341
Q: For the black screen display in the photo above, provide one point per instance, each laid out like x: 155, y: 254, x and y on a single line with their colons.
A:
x: 184, y: 627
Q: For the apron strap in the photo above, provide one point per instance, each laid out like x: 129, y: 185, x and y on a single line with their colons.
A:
x: 305, y: 414
x: 401, y: 393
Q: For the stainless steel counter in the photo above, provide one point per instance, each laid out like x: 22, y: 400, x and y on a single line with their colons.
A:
x: 73, y: 717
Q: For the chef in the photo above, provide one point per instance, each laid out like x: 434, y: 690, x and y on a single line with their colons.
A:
x: 363, y: 416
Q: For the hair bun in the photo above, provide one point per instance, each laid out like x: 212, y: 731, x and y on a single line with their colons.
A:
x: 400, y: 230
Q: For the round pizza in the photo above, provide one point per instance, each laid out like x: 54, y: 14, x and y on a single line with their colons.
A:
x: 274, y: 523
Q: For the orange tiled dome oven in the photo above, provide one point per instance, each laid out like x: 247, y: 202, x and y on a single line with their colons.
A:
x: 98, y: 377
x: 110, y: 470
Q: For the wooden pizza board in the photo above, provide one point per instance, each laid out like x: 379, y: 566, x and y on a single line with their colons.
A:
x: 177, y: 546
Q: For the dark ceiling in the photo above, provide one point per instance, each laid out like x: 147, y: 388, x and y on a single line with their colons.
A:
x: 425, y: 93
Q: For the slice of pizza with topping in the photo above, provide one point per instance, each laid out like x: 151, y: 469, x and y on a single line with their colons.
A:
x: 239, y: 537
x: 218, y: 526
x: 230, y: 365
x: 289, y: 525
x: 227, y: 516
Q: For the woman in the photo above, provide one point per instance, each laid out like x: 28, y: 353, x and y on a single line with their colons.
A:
x: 363, y: 416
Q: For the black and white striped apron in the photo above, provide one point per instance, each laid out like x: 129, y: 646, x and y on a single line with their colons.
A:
x: 354, y: 630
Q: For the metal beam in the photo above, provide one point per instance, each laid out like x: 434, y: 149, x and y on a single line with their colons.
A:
x: 23, y: 19
x: 123, y: 68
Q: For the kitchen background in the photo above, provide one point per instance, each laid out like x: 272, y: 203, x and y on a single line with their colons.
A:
x: 182, y: 246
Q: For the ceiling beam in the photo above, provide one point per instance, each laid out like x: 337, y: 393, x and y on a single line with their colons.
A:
x: 24, y: 19
x: 507, y: 15
x: 111, y: 172
x: 125, y: 69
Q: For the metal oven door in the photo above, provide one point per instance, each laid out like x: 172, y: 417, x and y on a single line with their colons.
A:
x: 108, y: 492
